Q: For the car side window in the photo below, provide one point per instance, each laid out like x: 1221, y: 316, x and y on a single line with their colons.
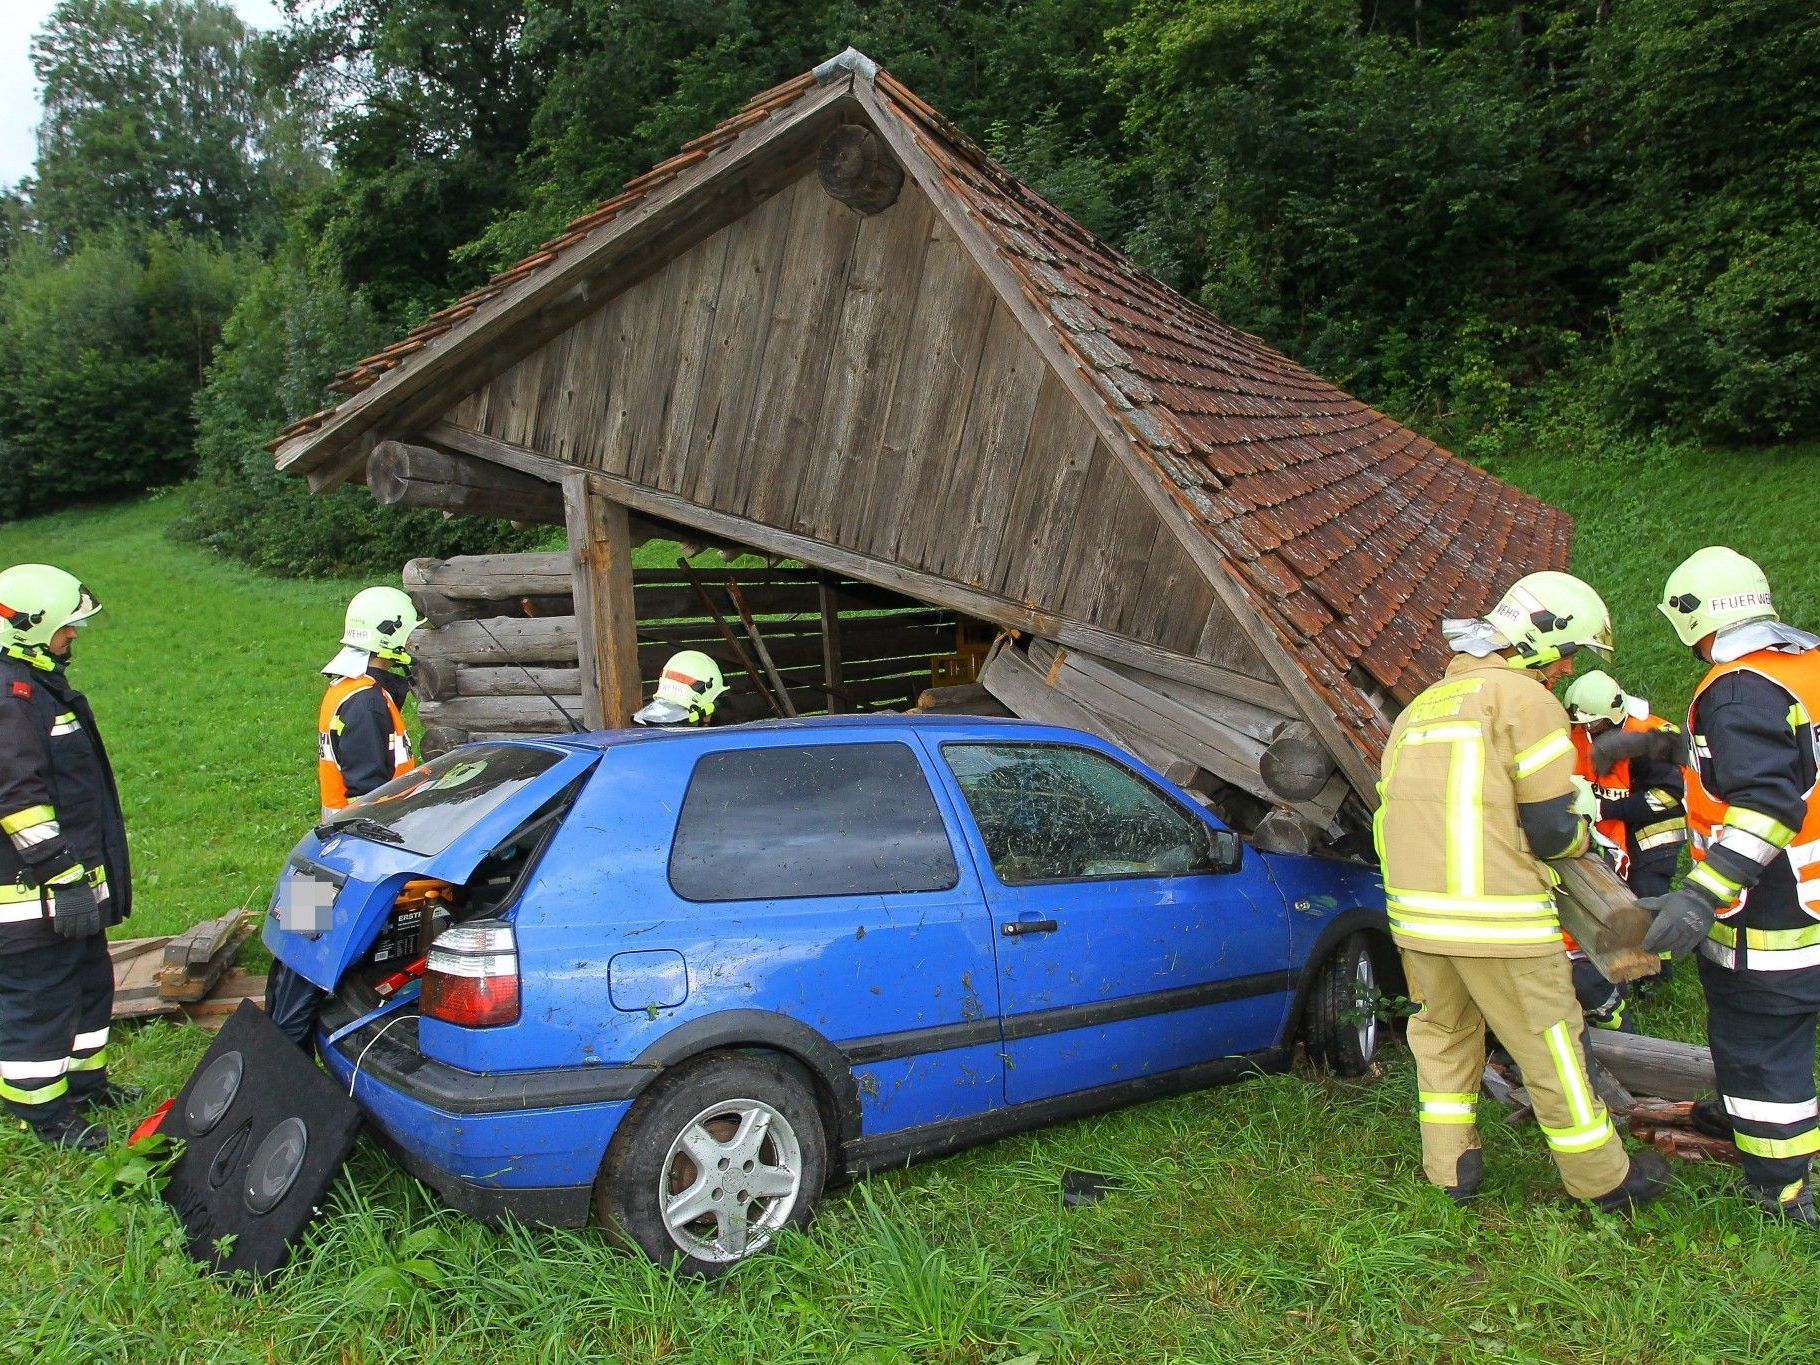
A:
x: 1055, y: 812
x: 809, y: 820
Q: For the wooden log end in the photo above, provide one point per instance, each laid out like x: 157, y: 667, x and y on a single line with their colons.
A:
x: 855, y: 168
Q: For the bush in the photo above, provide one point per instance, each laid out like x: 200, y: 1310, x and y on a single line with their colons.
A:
x: 295, y: 326
x: 99, y: 356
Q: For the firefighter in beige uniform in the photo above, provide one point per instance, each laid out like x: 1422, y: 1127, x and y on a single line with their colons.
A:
x: 1476, y: 795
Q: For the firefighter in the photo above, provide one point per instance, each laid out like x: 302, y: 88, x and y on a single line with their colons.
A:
x: 1630, y: 760
x: 361, y: 743
x: 64, y: 874
x: 1751, y: 905
x: 686, y: 693
x: 1476, y: 795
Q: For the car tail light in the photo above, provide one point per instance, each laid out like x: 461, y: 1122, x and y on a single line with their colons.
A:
x: 472, y: 975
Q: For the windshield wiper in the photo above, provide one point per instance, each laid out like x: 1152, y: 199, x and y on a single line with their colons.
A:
x: 364, y: 826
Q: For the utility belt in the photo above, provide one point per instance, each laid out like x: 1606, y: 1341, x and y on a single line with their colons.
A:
x: 23, y: 903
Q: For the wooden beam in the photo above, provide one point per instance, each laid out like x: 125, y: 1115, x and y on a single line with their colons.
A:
x: 856, y: 169
x: 926, y: 587
x: 831, y: 655
x: 1654, y: 1066
x: 403, y: 475
x: 606, y: 614
x: 1297, y: 765
x: 550, y: 299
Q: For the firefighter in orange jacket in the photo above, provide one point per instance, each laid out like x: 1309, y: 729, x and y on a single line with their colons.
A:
x: 1631, y: 761
x: 361, y: 743
x: 1751, y: 904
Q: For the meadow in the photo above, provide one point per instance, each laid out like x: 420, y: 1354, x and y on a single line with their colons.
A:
x: 1279, y: 1219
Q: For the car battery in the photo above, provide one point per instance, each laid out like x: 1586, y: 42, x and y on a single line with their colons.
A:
x: 424, y: 909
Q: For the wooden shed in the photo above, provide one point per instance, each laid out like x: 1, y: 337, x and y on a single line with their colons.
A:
x: 833, y: 331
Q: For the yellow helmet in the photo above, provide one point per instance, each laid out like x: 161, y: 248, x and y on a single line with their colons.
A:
x: 1714, y: 588
x: 380, y: 621
x: 1595, y: 696
x: 37, y: 601
x: 686, y: 693
x: 1548, y: 616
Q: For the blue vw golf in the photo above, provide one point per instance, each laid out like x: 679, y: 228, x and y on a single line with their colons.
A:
x: 682, y: 980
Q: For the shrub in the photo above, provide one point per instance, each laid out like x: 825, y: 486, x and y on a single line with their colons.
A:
x: 295, y: 326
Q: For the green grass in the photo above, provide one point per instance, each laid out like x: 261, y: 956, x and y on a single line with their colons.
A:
x: 1279, y: 1219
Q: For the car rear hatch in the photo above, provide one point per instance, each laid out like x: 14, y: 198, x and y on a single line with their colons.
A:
x: 437, y: 823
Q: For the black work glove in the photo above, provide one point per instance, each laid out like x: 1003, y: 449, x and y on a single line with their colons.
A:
x: 1615, y: 745
x: 1680, y: 920
x: 75, y: 913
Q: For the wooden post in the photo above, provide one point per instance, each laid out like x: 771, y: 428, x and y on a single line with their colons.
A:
x: 606, y: 615
x: 831, y: 656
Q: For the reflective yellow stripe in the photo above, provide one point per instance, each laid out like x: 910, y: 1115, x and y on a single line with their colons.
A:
x: 24, y: 819
x: 1570, y: 1073
x: 1447, y: 1106
x: 44, y: 1094
x: 1710, y: 879
x: 1543, y: 752
x: 1766, y: 828
x: 1765, y: 940
x: 1797, y: 716
x: 1802, y: 1144
x: 97, y: 1062
x: 1465, y: 817
x: 11, y: 893
x: 1476, y: 933
x: 1426, y: 900
x: 1578, y: 1138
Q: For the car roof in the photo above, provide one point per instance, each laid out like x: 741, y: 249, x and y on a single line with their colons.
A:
x: 1004, y: 727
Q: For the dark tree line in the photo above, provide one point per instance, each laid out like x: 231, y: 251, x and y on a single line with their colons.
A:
x: 1451, y: 206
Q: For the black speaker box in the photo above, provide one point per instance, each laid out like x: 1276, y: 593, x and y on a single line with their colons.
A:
x: 264, y: 1131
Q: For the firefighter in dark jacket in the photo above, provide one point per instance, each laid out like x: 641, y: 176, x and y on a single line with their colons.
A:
x: 1751, y: 905
x: 1630, y: 759
x: 361, y: 744
x: 64, y: 875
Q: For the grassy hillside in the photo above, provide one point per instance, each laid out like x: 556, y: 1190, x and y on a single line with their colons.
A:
x: 1278, y: 1219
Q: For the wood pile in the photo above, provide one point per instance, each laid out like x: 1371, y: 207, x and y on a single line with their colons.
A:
x: 190, y: 975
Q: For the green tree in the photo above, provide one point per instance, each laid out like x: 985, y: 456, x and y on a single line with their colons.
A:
x: 151, y: 117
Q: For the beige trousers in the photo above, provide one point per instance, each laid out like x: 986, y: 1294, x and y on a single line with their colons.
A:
x: 1529, y: 1003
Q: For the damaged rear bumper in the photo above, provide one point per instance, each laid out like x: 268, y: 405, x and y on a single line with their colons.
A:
x: 524, y: 1145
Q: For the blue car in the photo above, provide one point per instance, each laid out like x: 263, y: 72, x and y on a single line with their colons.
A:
x: 683, y: 980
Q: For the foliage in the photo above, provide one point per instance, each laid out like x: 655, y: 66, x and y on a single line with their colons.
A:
x: 294, y: 328
x: 98, y: 356
x: 151, y: 116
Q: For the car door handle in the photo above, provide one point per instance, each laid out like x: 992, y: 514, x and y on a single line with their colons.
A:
x: 1012, y: 928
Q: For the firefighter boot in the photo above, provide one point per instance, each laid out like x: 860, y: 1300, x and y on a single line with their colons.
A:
x: 113, y: 1096
x: 1643, y: 1184
x: 71, y: 1132
x: 1709, y: 1117
x: 1468, y: 1173
x: 1793, y: 1203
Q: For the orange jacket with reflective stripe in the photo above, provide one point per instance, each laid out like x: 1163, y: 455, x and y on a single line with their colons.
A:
x: 1799, y: 675
x: 330, y: 781
x: 1615, y: 785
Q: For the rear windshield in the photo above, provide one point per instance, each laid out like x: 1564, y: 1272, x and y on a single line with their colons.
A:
x: 430, y: 807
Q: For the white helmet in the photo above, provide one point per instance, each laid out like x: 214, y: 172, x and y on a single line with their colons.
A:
x: 1550, y: 615
x: 1595, y: 696
x: 686, y: 693
x: 380, y: 621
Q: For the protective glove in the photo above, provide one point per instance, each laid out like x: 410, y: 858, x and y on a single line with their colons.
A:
x: 1680, y: 920
x: 75, y: 913
x: 1615, y: 745
x: 1586, y: 800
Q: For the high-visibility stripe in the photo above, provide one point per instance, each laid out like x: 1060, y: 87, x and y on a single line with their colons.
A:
x: 1423, y: 900
x: 1543, y: 752
x: 1446, y: 1106
x: 1466, y: 817
x: 1571, y: 1074
x: 1765, y: 827
x: 93, y: 1038
x: 22, y: 819
x: 1580, y: 1138
x: 1771, y: 1111
x: 98, y: 1062
x: 33, y: 1071
x: 1708, y: 879
x: 1747, y: 845
x: 1797, y: 716
x: 1766, y: 956
x: 1802, y: 1144
x: 1661, y: 834
x: 44, y: 1094
x: 1460, y: 933
x: 65, y: 724
x: 1660, y: 798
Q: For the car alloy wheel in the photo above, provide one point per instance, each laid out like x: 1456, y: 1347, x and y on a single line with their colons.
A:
x: 1365, y: 977
x: 730, y: 1180
x: 716, y: 1156
x: 1340, y: 1023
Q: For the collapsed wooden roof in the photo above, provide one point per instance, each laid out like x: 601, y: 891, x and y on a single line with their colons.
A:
x: 1333, y: 535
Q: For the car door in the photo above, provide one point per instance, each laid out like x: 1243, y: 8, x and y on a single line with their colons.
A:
x: 1124, y: 947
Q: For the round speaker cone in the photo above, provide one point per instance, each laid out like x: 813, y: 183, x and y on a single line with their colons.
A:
x: 213, y: 1094
x: 230, y: 1154
x: 274, y: 1167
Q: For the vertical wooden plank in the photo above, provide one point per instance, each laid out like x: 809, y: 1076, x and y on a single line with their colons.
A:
x: 550, y: 402
x: 606, y: 614
x: 831, y: 647
x: 1061, y: 449
x: 700, y: 301
x: 865, y: 344
x: 776, y: 455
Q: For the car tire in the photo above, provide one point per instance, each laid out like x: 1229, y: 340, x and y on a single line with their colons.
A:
x: 1340, y: 1023
x: 712, y: 1161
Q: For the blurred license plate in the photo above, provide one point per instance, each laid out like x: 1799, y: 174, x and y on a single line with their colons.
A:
x: 307, y: 903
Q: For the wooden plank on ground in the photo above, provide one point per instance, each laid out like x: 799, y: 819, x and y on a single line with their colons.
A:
x: 194, y: 960
x: 1655, y: 1066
